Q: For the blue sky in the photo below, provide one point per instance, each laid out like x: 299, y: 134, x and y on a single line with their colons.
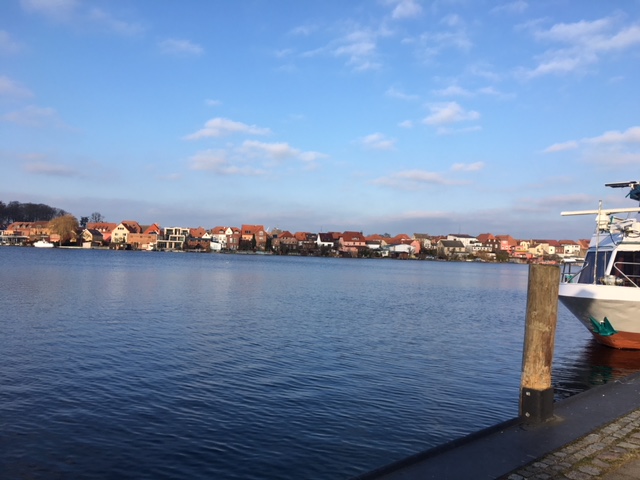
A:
x: 382, y: 116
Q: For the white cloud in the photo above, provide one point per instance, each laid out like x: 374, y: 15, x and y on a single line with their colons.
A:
x: 377, y: 141
x: 50, y: 169
x: 467, y: 167
x: 12, y: 89
x: 406, y: 9
x: 359, y: 47
x: 311, y: 156
x: 452, y: 35
x: 561, y: 147
x: 631, y: 135
x: 278, y: 151
x: 395, y: 93
x: 275, y: 151
x: 217, y: 161
x: 8, y: 45
x: 581, y: 44
x: 113, y: 24
x: 453, y: 91
x: 446, y: 113
x: 174, y: 46
x: 80, y: 13
x: 413, y: 180
x: 33, y: 116
x: 56, y: 9
x: 212, y: 103
x: 611, y: 148
x: 220, y: 127
x: 406, y: 124
x: 304, y: 30
x: 519, y: 6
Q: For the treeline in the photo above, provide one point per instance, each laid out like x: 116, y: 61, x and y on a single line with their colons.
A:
x: 27, y: 212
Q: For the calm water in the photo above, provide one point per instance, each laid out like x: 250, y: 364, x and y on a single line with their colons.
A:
x: 161, y: 366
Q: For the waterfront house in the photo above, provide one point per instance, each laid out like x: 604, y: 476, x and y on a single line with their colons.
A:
x: 228, y: 238
x: 507, y: 243
x: 450, y: 248
x: 105, y: 228
x: 285, y: 242
x: 120, y: 234
x: 147, y: 239
x: 463, y: 238
x: 174, y: 238
x: 254, y: 233
x: 91, y: 238
x: 352, y: 243
x: 326, y: 240
x: 307, y: 242
x: 569, y: 248
x: 424, y: 239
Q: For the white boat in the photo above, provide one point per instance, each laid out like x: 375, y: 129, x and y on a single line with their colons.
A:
x: 43, y: 244
x: 603, y: 291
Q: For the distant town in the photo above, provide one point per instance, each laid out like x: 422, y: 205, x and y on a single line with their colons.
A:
x: 66, y: 230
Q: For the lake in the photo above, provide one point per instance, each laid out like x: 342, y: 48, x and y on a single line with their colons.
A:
x: 171, y: 365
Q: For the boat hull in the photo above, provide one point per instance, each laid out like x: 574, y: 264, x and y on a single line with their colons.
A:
x: 619, y: 305
x: 43, y: 244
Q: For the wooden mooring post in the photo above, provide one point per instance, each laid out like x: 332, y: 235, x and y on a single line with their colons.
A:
x: 536, y: 393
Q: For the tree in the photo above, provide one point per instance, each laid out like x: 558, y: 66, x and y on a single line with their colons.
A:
x: 96, y: 217
x: 84, y: 221
x: 65, y: 226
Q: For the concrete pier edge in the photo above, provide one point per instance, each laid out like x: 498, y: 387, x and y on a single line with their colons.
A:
x: 497, y: 451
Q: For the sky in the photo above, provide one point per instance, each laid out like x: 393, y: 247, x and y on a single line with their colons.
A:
x: 379, y: 116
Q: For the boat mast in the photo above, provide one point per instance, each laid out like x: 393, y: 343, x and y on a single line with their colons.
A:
x: 595, y: 267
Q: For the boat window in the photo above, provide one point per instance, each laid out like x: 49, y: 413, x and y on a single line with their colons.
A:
x: 591, y: 275
x: 627, y: 267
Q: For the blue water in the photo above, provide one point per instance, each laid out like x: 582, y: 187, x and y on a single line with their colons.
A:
x: 166, y: 365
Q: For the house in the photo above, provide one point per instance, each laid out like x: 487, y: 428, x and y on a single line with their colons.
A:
x: 424, y: 239
x: 174, y: 238
x: 506, y: 243
x: 569, y: 248
x: 104, y: 228
x: 326, y: 240
x: 463, y: 238
x: 398, y: 246
x: 91, y: 238
x: 450, y: 248
x: 401, y: 250
x: 16, y: 233
x: 120, y: 234
x: 285, y: 242
x: 485, y: 238
x: 147, y: 239
x: 545, y: 247
x: 254, y: 233
x: 224, y: 238
x: 375, y: 242
x: 306, y: 241
x: 352, y: 243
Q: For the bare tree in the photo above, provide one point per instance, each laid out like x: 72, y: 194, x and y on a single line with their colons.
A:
x: 96, y: 217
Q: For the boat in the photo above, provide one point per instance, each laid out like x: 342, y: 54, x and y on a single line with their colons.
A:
x: 603, y: 291
x: 43, y: 244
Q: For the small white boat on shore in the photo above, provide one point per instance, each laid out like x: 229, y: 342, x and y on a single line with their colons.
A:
x: 43, y: 244
x: 603, y: 291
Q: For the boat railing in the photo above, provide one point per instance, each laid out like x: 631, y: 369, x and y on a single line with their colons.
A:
x: 627, y: 279
x: 571, y: 271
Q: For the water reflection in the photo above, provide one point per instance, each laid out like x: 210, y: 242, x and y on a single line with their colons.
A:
x: 593, y: 364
